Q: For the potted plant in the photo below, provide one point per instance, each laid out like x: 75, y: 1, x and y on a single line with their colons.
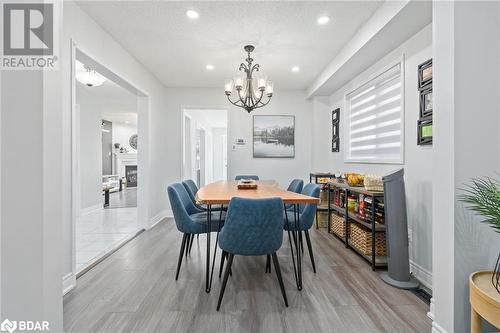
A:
x: 482, y: 196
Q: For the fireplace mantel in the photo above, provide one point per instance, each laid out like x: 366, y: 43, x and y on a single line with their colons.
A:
x: 121, y: 160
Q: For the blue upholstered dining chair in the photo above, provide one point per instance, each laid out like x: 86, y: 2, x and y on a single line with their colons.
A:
x: 295, y: 186
x: 192, y: 189
x: 252, y: 177
x: 189, y: 219
x: 253, y: 227
x: 307, y: 213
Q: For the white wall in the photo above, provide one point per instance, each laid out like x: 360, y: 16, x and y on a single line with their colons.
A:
x: 90, y: 150
x: 122, y: 133
x: 418, y: 169
x: 218, y: 134
x: 241, y: 161
x: 31, y: 216
x: 477, y: 148
x: 99, y: 45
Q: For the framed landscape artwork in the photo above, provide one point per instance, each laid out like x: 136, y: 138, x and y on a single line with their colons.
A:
x: 273, y: 136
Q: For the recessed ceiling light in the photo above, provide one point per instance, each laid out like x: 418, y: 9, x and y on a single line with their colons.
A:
x: 127, y: 122
x: 192, y: 14
x: 209, y: 67
x: 322, y: 20
x: 295, y: 69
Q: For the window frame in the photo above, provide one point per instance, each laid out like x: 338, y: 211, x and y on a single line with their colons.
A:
x: 347, y: 121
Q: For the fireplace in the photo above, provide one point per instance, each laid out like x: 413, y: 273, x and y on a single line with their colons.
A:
x: 131, y: 175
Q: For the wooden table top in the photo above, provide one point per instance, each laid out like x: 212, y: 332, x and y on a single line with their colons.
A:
x: 221, y: 192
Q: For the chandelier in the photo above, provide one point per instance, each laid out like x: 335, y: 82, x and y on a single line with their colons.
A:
x: 249, y: 92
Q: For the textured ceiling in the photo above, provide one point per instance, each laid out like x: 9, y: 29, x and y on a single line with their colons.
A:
x: 177, y: 49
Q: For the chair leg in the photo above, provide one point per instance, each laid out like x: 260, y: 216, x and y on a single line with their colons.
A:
x: 224, y: 281
x: 181, y: 254
x: 191, y: 244
x: 222, y: 258
x: 293, y: 258
x: 268, y: 263
x: 188, y: 241
x: 309, y: 247
x: 317, y: 221
x: 280, y: 279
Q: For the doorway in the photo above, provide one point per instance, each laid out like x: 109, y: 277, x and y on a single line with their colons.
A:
x: 109, y: 173
x: 204, y: 154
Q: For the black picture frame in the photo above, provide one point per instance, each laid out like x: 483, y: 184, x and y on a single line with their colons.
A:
x: 426, y: 102
x: 424, y: 134
x: 425, y: 75
x: 336, y: 130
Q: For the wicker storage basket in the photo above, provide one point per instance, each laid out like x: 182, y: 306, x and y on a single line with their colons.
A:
x: 374, y: 183
x: 361, y: 239
x: 337, y: 225
x: 322, y: 219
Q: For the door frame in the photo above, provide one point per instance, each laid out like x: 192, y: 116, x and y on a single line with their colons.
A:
x: 143, y: 154
x: 183, y: 128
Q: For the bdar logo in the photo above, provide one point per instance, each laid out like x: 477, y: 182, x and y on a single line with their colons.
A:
x: 8, y: 326
x: 28, y: 29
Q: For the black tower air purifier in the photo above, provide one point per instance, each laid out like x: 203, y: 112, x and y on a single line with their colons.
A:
x: 398, y: 274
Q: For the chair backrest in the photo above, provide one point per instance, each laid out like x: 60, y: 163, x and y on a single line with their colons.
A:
x: 253, y: 177
x: 253, y: 227
x: 296, y: 186
x: 191, y: 188
x: 182, y: 206
x: 308, y: 211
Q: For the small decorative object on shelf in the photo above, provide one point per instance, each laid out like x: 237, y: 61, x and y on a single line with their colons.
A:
x: 336, y: 130
x: 424, y: 123
x: 481, y: 196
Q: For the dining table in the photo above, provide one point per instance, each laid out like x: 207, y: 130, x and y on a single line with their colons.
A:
x: 220, y: 193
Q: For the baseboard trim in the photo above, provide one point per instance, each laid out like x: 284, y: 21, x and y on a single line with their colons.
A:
x: 421, y: 274
x: 430, y: 314
x: 68, y: 283
x: 90, y: 209
x: 159, y: 217
x: 436, y: 328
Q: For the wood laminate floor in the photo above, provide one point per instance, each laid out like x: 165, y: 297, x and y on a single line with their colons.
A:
x: 134, y: 290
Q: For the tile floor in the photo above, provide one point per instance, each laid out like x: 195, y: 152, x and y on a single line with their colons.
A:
x: 101, y: 231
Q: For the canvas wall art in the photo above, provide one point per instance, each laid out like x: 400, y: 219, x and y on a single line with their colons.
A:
x: 273, y: 136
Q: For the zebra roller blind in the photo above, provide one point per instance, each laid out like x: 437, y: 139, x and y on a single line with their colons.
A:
x: 375, y: 121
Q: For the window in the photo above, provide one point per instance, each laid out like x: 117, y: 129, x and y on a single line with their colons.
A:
x: 374, y: 122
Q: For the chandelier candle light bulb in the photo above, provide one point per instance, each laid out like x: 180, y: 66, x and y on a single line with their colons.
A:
x: 250, y: 90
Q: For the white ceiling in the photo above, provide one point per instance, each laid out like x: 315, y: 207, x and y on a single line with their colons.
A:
x: 177, y: 49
